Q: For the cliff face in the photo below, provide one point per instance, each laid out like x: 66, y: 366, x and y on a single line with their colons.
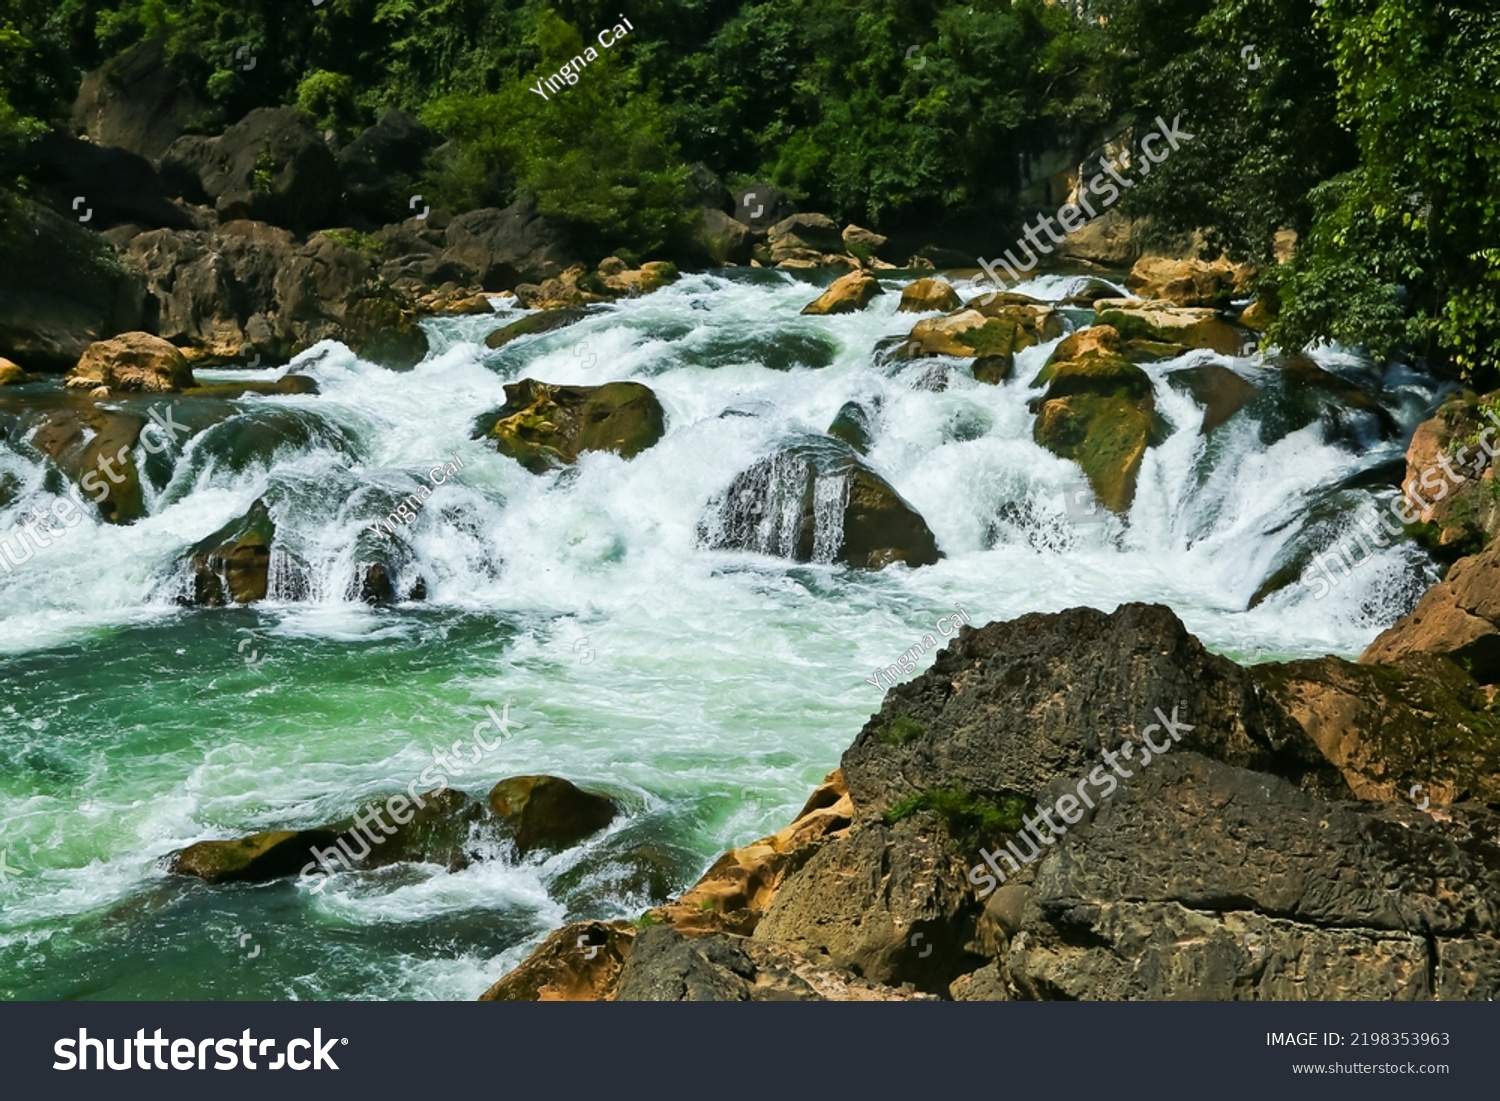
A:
x: 1085, y: 805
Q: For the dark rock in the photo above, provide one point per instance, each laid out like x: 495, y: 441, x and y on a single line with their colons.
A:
x: 136, y: 102
x: 548, y: 812
x: 705, y: 189
x: 773, y: 508
x: 852, y: 424
x: 666, y: 966
x: 271, y: 166
x: 719, y: 239
x: 1220, y: 391
x: 543, y: 426
x: 994, y: 369
x: 759, y: 205
x: 1036, y: 718
x: 380, y: 167
x: 61, y: 288
x: 259, y: 858
x: 504, y: 248
x: 117, y: 187
x: 533, y: 324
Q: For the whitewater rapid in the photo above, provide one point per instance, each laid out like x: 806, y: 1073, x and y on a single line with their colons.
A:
x: 706, y: 690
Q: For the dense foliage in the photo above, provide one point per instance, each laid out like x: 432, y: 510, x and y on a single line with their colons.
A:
x: 1367, y: 127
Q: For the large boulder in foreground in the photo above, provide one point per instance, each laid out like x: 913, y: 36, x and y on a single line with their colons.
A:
x: 96, y: 448
x: 132, y: 363
x: 815, y: 501
x: 848, y: 294
x: 1099, y: 411
x: 543, y: 426
x: 548, y: 812
x: 1093, y: 806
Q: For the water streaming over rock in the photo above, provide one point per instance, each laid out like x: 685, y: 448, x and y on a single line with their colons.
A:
x: 708, y: 689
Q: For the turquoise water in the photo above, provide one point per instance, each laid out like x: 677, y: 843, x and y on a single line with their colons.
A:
x: 707, y: 691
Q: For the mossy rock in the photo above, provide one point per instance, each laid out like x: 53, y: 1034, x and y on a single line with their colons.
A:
x: 993, y: 370
x: 534, y: 324
x: 543, y: 426
x: 1107, y: 436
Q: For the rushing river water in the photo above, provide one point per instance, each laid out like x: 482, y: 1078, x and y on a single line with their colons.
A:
x: 708, y: 691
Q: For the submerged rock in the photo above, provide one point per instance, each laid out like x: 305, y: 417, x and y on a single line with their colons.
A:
x: 543, y: 426
x: 1220, y: 391
x: 814, y: 501
x: 95, y: 447
x: 548, y: 812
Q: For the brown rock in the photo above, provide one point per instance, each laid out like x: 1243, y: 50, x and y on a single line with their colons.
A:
x: 233, y: 565
x: 132, y: 363
x: 1189, y: 282
x: 577, y: 963
x: 258, y: 858
x: 548, y: 812
x: 1458, y: 618
x: 10, y: 374
x: 926, y: 295
x: 849, y: 294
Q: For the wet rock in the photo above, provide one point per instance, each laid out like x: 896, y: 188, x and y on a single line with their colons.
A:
x: 534, y: 324
x: 259, y: 858
x: 999, y: 328
x: 925, y: 295
x: 852, y: 424
x: 11, y: 374
x: 993, y: 370
x: 132, y: 363
x: 734, y: 894
x: 849, y: 294
x: 1458, y: 618
x: 95, y: 448
x: 233, y: 564
x: 1449, y: 482
x: 543, y: 426
x: 814, y: 501
x: 1100, y: 412
x: 1220, y: 391
x: 578, y: 963
x: 548, y: 812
